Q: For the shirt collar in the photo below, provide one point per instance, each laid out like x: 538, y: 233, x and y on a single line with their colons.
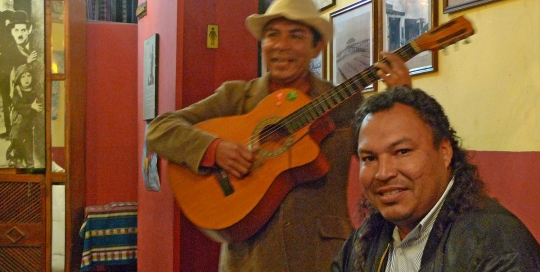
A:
x: 427, y: 222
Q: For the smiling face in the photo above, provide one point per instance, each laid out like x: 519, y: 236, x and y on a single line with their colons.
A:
x: 402, y: 173
x: 288, y: 48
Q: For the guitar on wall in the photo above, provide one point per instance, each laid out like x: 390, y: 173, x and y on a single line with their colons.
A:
x: 227, y: 209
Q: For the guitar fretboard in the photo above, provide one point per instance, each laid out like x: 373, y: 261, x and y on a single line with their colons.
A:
x: 329, y: 100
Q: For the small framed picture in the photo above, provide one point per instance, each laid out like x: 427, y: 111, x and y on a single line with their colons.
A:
x: 150, y: 78
x: 402, y: 22
x: 451, y: 6
x: 324, y: 4
x: 353, y: 47
x: 318, y: 65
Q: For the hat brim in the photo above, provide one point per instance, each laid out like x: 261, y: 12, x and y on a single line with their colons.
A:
x: 255, y: 24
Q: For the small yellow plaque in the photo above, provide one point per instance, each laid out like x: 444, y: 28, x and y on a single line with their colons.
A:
x: 212, y: 36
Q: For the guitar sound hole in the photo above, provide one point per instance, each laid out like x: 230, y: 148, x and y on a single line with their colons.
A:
x: 274, y: 140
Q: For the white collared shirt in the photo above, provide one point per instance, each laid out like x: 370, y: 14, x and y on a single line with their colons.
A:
x: 406, y: 254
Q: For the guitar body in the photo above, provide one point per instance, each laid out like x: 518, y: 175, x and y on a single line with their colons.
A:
x: 237, y: 209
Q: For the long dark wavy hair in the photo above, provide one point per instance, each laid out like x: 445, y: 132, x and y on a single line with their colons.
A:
x: 467, y: 192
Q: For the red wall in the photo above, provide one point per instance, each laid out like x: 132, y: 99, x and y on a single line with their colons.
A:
x: 188, y: 72
x: 158, y: 226
x: 111, y: 126
x: 513, y: 178
x: 203, y: 71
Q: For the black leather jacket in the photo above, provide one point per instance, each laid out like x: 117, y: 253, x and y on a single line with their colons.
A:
x: 489, y: 239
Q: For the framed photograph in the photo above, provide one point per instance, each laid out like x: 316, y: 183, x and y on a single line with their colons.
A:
x: 23, y: 86
x: 403, y: 21
x: 150, y: 78
x: 353, y: 47
x: 318, y: 66
x: 451, y: 6
x: 324, y: 4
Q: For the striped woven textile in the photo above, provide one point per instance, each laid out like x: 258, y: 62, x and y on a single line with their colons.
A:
x: 110, y: 235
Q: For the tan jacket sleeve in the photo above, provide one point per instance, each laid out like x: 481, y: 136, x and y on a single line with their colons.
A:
x: 172, y: 136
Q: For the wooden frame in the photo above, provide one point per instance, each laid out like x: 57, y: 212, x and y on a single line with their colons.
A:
x: 324, y: 4
x: 451, y: 6
x: 353, y: 45
x: 401, y: 24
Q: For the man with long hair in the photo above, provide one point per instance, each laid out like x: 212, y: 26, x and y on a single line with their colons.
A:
x: 427, y: 207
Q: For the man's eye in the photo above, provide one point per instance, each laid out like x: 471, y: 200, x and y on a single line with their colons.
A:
x: 270, y: 34
x: 403, y: 151
x: 367, y: 158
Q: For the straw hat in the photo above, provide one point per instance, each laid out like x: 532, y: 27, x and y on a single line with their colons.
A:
x: 303, y: 11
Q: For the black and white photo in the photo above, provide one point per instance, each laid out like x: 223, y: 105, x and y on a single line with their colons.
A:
x: 402, y: 22
x: 22, y: 84
x: 352, y: 46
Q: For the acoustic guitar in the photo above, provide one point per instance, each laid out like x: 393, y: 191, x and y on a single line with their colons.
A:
x: 227, y: 209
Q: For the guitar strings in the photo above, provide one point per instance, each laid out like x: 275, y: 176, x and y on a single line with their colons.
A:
x: 406, y: 52
x: 350, y: 84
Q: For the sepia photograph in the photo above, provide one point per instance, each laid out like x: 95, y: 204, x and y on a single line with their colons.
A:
x: 352, y: 46
x: 22, y: 87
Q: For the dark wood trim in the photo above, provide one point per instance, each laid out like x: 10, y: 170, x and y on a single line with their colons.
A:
x: 75, y: 43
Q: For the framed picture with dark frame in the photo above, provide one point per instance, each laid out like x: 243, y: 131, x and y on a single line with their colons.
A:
x: 353, y: 45
x: 451, y: 6
x: 324, y: 4
x: 402, y: 23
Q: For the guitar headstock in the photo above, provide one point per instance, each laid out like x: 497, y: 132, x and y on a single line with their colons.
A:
x: 445, y: 34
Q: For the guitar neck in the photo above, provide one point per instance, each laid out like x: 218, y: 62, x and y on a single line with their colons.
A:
x: 439, y: 37
x: 329, y: 100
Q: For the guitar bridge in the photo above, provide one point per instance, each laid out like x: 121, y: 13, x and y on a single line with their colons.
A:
x: 224, y: 182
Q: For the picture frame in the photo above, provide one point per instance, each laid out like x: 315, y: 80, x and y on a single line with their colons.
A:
x: 150, y: 78
x: 400, y: 24
x: 318, y: 65
x: 324, y: 4
x: 353, y: 45
x: 451, y: 6
x: 23, y: 123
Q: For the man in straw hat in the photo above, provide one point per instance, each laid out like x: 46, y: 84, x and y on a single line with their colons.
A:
x: 312, y: 222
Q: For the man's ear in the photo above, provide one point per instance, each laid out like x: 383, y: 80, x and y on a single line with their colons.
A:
x: 446, y: 151
x: 30, y: 29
